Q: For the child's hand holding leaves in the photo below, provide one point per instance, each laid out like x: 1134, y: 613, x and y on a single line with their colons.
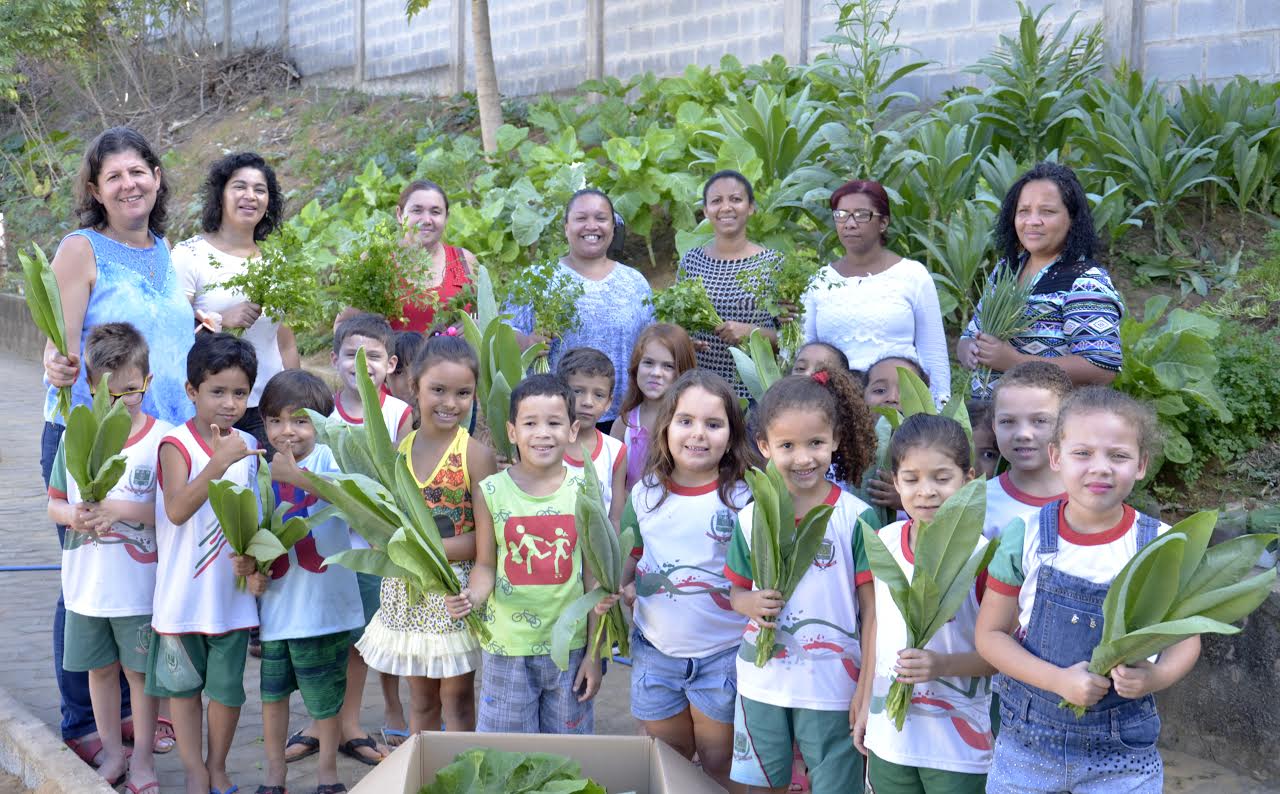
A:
x: 243, y: 565
x: 762, y: 606
x: 257, y: 583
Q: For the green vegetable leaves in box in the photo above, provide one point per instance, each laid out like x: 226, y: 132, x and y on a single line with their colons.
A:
x: 488, y: 771
x: 94, y: 440
x: 45, y: 304
x: 686, y: 304
x: 782, y: 548
x: 948, y: 560
x: 603, y: 552
x: 1178, y: 586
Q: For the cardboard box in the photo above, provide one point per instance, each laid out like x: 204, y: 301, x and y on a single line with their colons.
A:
x: 619, y: 763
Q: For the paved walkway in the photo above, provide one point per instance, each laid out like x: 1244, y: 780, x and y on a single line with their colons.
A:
x: 26, y: 615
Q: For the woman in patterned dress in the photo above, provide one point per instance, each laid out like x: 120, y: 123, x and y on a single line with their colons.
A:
x: 729, y: 201
x: 1045, y: 231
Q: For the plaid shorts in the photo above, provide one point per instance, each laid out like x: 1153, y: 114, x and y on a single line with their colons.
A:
x: 529, y: 694
x: 314, y: 666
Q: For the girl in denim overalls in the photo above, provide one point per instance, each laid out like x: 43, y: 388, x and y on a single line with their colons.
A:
x: 1042, y: 617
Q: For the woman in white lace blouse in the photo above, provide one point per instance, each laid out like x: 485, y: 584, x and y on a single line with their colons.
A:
x: 871, y: 299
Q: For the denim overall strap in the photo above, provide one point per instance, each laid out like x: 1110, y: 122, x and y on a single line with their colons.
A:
x: 1147, y: 529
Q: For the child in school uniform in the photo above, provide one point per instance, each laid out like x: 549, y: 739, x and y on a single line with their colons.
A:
x: 109, y: 559
x: 201, y: 621
x: 1042, y: 617
x: 945, y: 742
x: 810, y: 690
x: 589, y: 374
x: 528, y: 570
x: 307, y: 609
x: 1024, y: 410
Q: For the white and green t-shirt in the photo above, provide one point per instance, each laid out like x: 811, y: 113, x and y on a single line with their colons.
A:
x: 607, y: 456
x: 948, y: 723
x: 1005, y: 502
x: 818, y: 628
x: 682, y: 595
x: 1095, y: 557
x: 195, y: 583
x: 114, y: 574
x: 539, y: 565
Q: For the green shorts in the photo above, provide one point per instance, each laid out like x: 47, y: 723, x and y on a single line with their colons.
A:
x: 763, y: 738
x: 890, y: 778
x: 91, y: 643
x: 314, y: 666
x: 183, y: 665
x: 370, y: 599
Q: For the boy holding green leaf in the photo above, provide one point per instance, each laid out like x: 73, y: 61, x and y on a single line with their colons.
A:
x: 201, y: 620
x: 308, y: 610
x: 527, y: 545
x: 109, y: 557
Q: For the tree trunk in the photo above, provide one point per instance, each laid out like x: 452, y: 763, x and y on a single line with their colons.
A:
x: 487, y: 97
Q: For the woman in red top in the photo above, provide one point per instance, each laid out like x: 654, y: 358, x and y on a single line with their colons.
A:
x: 423, y: 209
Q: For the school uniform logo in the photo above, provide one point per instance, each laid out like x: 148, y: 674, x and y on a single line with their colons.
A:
x: 721, y: 530
x: 142, y: 478
x: 539, y: 549
x: 826, y: 556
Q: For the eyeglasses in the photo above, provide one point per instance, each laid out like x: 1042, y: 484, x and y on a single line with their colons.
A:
x: 860, y: 216
x: 132, y: 397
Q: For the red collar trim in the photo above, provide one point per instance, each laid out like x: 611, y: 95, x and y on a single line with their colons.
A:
x: 595, y: 453
x: 906, y: 542
x: 695, y: 490
x: 348, y: 418
x: 833, y: 495
x: 1006, y: 482
x: 142, y: 431
x: 191, y: 425
x: 1094, y: 538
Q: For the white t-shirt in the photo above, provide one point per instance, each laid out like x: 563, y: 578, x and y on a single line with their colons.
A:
x: 682, y: 596
x: 1095, y: 557
x: 394, y: 411
x: 894, y: 312
x: 306, y: 598
x: 200, y: 278
x: 819, y: 627
x: 115, y: 575
x: 1005, y: 503
x: 948, y: 724
x: 195, y: 584
x: 608, y: 455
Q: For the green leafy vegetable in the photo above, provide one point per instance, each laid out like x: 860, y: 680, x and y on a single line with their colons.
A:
x: 757, y: 365
x: 1002, y: 312
x: 778, y: 289
x: 489, y: 771
x: 282, y: 281
x: 1178, y: 586
x: 553, y: 296
x: 94, y: 440
x: 686, y: 304
x: 782, y: 548
x: 376, y: 273
x: 44, y: 301
x: 603, y: 552
x: 946, y: 565
x: 255, y: 525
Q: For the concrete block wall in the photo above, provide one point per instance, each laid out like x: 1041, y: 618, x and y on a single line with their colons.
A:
x: 538, y: 45
x: 322, y: 35
x: 256, y: 22
x: 665, y: 36
x: 397, y: 47
x: 1211, y: 39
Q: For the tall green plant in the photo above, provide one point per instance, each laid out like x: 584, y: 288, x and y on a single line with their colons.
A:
x: 959, y: 251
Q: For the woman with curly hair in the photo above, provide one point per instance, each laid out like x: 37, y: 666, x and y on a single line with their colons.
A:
x: 1045, y: 234
x: 242, y: 205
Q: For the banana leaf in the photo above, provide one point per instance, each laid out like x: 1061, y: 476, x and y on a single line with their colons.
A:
x: 44, y: 301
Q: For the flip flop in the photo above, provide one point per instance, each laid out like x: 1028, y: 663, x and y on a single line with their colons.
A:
x: 348, y: 748
x: 271, y: 790
x: 387, y: 733
x: 234, y: 788
x: 310, y: 742
x: 135, y: 790
x: 330, y: 788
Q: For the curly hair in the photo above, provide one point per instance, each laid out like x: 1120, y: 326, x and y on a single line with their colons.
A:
x: 1082, y: 239
x: 115, y: 140
x: 739, y: 455
x: 215, y: 184
x: 840, y: 400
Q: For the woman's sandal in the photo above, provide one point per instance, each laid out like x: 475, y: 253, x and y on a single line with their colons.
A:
x: 310, y: 742
x: 349, y: 749
x: 330, y: 788
x: 135, y: 790
x: 164, y: 739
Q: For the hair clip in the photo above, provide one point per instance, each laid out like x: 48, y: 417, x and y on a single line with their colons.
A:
x: 821, y: 376
x: 450, y: 331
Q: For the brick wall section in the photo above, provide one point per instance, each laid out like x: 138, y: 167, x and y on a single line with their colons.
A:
x: 1211, y: 39
x: 539, y: 45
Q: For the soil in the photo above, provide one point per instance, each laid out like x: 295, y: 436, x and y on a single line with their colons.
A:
x: 11, y: 785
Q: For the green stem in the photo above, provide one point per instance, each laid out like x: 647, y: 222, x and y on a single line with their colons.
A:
x: 764, y: 647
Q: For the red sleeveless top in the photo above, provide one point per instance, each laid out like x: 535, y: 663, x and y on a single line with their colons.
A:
x: 418, y: 317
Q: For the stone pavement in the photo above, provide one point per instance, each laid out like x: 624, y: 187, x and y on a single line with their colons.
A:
x: 26, y: 616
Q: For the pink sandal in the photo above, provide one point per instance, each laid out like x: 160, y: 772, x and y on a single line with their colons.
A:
x: 164, y: 738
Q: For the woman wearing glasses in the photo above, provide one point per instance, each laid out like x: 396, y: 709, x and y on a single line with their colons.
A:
x: 872, y: 302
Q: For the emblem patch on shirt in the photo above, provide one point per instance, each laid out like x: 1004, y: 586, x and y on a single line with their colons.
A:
x: 539, y: 549
x: 826, y: 556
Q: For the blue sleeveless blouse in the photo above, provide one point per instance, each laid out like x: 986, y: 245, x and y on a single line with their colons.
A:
x: 139, y: 286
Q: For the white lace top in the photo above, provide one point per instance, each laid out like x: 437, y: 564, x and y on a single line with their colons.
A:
x: 894, y: 312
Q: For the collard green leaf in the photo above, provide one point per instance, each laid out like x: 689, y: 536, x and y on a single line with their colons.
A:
x: 370, y: 561
x: 266, y: 494
x: 77, y: 442
x: 571, y: 622
x: 1150, y: 640
x: 747, y: 373
x: 1199, y: 531
x: 265, y: 547
x: 808, y: 540
x: 365, y: 504
x: 106, y: 479
x: 378, y: 437
x: 885, y: 568
x: 766, y: 362
x: 957, y: 591
x: 1226, y: 563
x: 497, y: 414
x: 292, y: 531
x: 109, y: 439
x: 1153, y: 583
x: 913, y: 395
x: 944, y: 545
x: 1227, y: 604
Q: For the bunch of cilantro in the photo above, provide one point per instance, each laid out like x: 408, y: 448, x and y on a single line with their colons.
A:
x: 686, y: 304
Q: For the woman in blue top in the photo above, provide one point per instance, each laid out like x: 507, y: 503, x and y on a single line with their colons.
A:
x: 115, y: 268
x: 613, y: 308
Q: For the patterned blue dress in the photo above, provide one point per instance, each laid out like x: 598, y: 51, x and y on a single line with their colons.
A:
x: 139, y: 286
x: 1074, y: 310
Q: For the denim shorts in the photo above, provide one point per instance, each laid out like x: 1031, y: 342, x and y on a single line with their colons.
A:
x: 663, y: 686
x: 529, y: 694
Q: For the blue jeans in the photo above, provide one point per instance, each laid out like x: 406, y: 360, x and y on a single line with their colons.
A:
x: 77, y: 710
